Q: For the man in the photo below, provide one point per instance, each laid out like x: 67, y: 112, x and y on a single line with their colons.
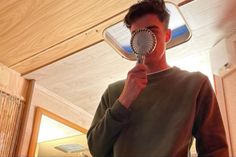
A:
x: 157, y: 110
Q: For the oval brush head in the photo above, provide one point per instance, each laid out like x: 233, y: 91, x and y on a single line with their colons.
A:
x: 143, y: 41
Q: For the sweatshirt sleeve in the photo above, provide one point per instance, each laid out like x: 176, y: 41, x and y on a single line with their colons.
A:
x: 208, y: 128
x: 106, y: 126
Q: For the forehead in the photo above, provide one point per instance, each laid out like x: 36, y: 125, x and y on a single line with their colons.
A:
x: 145, y: 21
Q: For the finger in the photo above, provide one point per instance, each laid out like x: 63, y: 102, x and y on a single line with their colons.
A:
x: 139, y: 67
x: 139, y: 75
x: 141, y: 83
x: 138, y: 71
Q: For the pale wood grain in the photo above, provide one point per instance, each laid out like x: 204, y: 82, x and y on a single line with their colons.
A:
x: 30, y: 26
x: 66, y: 48
x: 12, y: 83
x: 220, y: 94
x: 30, y: 29
x: 229, y: 87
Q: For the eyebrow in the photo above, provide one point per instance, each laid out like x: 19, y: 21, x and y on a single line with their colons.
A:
x: 153, y: 26
x: 150, y: 27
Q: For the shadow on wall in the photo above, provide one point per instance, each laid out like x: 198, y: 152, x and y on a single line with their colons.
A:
x: 228, y: 22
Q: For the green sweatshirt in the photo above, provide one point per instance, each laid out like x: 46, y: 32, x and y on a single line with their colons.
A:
x: 175, y: 106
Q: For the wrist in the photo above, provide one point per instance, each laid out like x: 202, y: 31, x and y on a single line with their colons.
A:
x: 124, y: 101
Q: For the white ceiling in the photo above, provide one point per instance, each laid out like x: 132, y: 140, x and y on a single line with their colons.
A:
x: 81, y: 78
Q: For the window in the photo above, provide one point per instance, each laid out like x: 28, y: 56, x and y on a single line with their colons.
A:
x: 118, y: 36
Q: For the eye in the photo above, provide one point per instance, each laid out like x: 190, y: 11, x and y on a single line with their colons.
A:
x: 155, y: 30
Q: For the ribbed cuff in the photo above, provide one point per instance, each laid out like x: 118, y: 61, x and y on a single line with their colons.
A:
x: 119, y: 112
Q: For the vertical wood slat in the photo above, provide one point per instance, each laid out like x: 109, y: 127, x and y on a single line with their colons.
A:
x: 18, y: 121
x: 10, y: 118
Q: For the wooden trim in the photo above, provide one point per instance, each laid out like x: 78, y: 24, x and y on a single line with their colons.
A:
x: 229, y: 71
x: 184, y: 2
x: 220, y: 94
x: 12, y: 83
x: 9, y: 94
x: 25, y: 116
x: 226, y: 111
x: 227, y: 104
x: 37, y: 120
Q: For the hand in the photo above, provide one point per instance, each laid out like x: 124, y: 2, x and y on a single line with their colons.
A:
x: 136, y: 81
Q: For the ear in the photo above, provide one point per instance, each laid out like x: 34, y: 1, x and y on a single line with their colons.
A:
x: 168, y: 35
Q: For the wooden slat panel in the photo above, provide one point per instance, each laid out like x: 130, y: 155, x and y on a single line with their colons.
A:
x: 10, y: 118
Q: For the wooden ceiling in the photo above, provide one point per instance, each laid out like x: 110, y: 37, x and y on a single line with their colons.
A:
x: 34, y: 33
x: 81, y: 78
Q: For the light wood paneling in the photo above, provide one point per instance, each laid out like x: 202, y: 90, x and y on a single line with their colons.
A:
x: 23, y: 130
x: 39, y: 25
x: 82, y: 77
x: 29, y: 29
x: 70, y: 46
x: 220, y: 94
x: 12, y: 83
x: 226, y: 95
x: 229, y: 87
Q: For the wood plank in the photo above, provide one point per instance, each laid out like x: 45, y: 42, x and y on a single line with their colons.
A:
x: 12, y: 83
x: 66, y: 48
x: 220, y: 94
x: 38, y: 25
x: 229, y: 88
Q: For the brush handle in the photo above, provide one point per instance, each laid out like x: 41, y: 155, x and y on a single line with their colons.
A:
x: 140, y: 59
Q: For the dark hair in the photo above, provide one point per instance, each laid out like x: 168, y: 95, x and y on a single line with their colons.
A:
x: 144, y: 7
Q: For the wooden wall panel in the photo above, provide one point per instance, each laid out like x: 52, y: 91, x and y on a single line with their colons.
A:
x: 229, y: 85
x: 220, y: 94
x: 226, y: 95
x: 12, y: 83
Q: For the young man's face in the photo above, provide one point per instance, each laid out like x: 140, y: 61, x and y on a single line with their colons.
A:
x: 152, y: 22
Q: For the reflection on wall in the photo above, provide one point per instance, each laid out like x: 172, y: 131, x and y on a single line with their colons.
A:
x: 75, y: 146
x: 58, y: 140
x: 51, y: 129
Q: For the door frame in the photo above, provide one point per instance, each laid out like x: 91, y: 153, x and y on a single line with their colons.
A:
x: 37, y: 120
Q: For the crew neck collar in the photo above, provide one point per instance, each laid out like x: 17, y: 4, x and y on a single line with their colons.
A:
x: 162, y: 73
x: 159, y: 71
